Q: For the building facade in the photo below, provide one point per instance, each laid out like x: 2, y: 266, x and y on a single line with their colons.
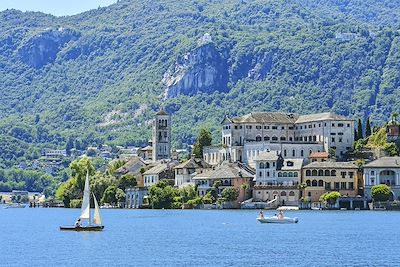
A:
x: 296, y: 136
x: 161, y: 136
x: 327, y: 176
x: 277, y: 179
x: 185, y: 171
x: 385, y: 170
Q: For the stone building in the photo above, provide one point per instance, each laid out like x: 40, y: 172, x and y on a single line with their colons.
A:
x: 385, y: 170
x: 230, y: 175
x: 161, y: 136
x: 327, y: 176
x: 295, y: 136
x: 185, y: 171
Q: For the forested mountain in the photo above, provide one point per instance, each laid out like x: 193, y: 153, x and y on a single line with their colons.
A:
x: 98, y: 77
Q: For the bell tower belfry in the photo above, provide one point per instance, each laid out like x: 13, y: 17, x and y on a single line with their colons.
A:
x: 161, y: 136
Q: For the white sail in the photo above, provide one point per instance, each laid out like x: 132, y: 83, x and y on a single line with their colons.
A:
x: 85, y: 210
x: 96, y: 217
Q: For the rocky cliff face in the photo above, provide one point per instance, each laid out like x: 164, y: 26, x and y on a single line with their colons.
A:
x: 202, y: 70
x: 43, y: 48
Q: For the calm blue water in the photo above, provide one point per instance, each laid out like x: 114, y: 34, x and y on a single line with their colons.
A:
x: 30, y: 237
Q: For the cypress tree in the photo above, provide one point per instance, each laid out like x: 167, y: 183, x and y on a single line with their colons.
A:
x: 359, y: 130
x: 368, y: 128
x: 355, y: 135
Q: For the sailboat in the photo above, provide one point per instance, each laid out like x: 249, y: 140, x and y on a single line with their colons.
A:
x: 96, y: 225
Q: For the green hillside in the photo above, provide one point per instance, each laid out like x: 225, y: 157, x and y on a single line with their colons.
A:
x: 97, y: 77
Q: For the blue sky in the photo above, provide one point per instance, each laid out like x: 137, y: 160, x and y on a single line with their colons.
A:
x: 55, y: 7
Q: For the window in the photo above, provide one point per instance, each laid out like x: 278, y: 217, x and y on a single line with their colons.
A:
x: 302, y: 153
x: 343, y: 185
x: 340, y: 140
x: 333, y: 133
x: 333, y: 139
x: 327, y: 173
x: 351, y: 185
x: 309, y: 194
x: 320, y: 173
x: 267, y: 165
x: 279, y: 174
x: 285, y: 174
x: 340, y: 125
x: 268, y: 174
x: 248, y: 127
x: 291, y: 193
x: 336, y: 185
x: 295, y: 174
x: 343, y: 174
x: 308, y: 173
x: 258, y: 127
x: 283, y: 194
x: 291, y: 127
x: 284, y: 153
x: 260, y: 174
x: 290, y: 163
x: 314, y: 183
x: 372, y: 173
x: 348, y: 125
x: 333, y: 125
x: 314, y: 172
x: 258, y: 138
x: 262, y: 165
x: 266, y: 138
x: 236, y: 127
x: 274, y: 127
x: 274, y: 138
x: 320, y: 183
x: 293, y: 153
x: 290, y: 174
x: 333, y: 173
x: 308, y: 183
x: 283, y: 138
x: 340, y: 133
x: 351, y: 174
x: 283, y: 128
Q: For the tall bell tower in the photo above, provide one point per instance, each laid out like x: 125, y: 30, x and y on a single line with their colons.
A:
x: 161, y: 136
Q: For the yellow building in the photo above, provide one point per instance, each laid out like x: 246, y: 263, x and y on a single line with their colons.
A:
x: 327, y: 176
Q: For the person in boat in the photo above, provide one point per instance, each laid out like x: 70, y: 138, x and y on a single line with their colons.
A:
x: 78, y: 222
x: 261, y: 215
x: 280, y: 215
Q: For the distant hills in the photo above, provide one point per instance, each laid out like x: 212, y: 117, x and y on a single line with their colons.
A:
x: 98, y: 77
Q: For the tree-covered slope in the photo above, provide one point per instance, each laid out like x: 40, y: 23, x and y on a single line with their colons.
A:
x: 100, y: 75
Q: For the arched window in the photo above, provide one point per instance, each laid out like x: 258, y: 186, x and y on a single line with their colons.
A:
x: 285, y: 174
x: 290, y: 174
x: 320, y: 173
x: 310, y: 152
x: 309, y: 194
x: 314, y: 183
x: 293, y: 153
x: 291, y: 193
x: 308, y: 173
x: 283, y: 194
x: 258, y: 138
x: 320, y: 183
x: 308, y: 183
x: 267, y: 165
x: 302, y: 153
x: 314, y: 172
x: 283, y: 138
x: 327, y: 173
x: 261, y: 165
x: 279, y: 174
x: 295, y: 174
x: 333, y: 173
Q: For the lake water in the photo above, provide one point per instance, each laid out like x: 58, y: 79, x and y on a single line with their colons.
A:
x: 31, y: 237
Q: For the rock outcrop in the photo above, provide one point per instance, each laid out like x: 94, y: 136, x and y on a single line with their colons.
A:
x: 43, y: 48
x: 202, y: 70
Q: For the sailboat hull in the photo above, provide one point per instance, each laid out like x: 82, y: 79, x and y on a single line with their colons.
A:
x: 82, y: 228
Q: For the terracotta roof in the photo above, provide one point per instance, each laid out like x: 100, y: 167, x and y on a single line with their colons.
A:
x: 331, y: 164
x: 384, y: 162
x: 225, y: 171
x: 322, y: 117
x: 319, y: 155
x: 266, y: 117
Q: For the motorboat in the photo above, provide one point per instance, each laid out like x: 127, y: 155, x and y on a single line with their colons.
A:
x: 15, y: 205
x: 276, y: 219
x: 288, y: 208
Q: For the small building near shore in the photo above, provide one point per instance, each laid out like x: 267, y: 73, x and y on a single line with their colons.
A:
x: 323, y: 177
x: 185, y: 171
x: 385, y: 170
x: 230, y: 175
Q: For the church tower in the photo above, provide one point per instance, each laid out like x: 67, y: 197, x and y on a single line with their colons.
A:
x: 162, y: 136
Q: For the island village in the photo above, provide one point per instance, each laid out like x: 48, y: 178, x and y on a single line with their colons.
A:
x: 270, y: 159
x: 265, y: 160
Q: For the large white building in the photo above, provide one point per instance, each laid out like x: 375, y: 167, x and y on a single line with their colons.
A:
x: 295, y: 136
